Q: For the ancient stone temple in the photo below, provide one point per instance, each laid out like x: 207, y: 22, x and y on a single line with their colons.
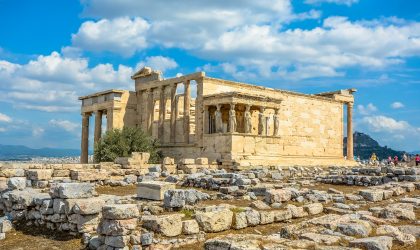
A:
x: 232, y: 123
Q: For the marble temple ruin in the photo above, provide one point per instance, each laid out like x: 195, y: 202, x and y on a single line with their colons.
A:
x: 231, y: 123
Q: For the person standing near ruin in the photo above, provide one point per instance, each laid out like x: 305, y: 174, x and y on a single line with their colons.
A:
x: 417, y: 159
x: 373, y: 158
x: 395, y: 160
x: 389, y: 160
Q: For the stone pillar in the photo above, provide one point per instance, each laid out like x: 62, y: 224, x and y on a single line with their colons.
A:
x: 199, y: 114
x: 173, y: 112
x: 206, y: 120
x: 350, y: 155
x: 276, y: 122
x: 84, y: 154
x: 98, y: 126
x: 150, y: 111
x: 109, y: 119
x: 162, y: 112
x: 261, y: 122
x: 140, y: 109
x: 218, y: 118
x: 187, y: 94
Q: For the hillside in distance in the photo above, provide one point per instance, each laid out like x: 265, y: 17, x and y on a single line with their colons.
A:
x: 17, y: 152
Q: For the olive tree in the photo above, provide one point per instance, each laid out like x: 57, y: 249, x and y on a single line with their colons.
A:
x: 122, y: 142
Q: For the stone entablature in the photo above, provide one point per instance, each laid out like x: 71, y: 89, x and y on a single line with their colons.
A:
x: 230, y: 122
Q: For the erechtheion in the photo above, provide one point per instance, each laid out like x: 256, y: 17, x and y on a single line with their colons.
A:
x: 235, y: 124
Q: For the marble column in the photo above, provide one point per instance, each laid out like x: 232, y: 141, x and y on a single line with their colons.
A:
x: 187, y: 97
x: 206, y: 120
x: 350, y: 155
x: 173, y: 112
x: 276, y: 118
x: 162, y: 112
x: 150, y: 111
x: 109, y: 119
x: 247, y: 119
x: 218, y: 118
x: 85, y: 138
x: 98, y: 126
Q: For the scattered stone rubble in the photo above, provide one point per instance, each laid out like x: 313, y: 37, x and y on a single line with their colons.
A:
x: 181, y: 205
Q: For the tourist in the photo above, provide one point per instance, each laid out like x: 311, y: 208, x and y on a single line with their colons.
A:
x: 417, y: 159
x: 373, y: 158
x: 405, y: 158
x: 395, y: 160
x: 389, y: 160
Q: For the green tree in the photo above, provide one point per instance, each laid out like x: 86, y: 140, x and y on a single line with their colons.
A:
x: 122, y: 142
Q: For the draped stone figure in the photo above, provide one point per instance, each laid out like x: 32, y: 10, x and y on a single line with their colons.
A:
x: 248, y: 120
x: 261, y: 122
x: 276, y: 123
x: 218, y: 118
x: 232, y: 119
x: 268, y: 124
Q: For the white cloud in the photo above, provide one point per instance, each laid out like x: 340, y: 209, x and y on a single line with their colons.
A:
x: 158, y: 62
x: 65, y: 124
x: 342, y: 2
x: 254, y: 37
x: 52, y: 83
x: 366, y: 110
x: 397, y: 105
x: 122, y: 35
x: 36, y: 132
x: 385, y: 124
x: 5, y: 118
x: 2, y: 129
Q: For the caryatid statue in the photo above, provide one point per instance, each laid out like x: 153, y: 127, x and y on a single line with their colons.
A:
x: 276, y: 122
x: 218, y: 118
x: 261, y: 122
x: 232, y: 119
x: 248, y: 120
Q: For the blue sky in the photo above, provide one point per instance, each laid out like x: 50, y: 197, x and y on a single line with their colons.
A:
x: 51, y: 52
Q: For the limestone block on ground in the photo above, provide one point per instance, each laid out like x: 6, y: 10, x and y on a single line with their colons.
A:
x: 372, y: 195
x: 85, y: 223
x: 355, y: 229
x: 117, y: 227
x: 89, y: 175
x: 252, y: 217
x: 282, y: 215
x: 72, y: 190
x: 142, y: 157
x: 239, y: 220
x: 39, y: 174
x: 61, y: 173
x: 16, y: 183
x: 373, y: 243
x: 403, y: 211
x: 168, y: 225
x: 187, y: 161
x: 215, y: 221
x: 5, y: 225
x: 266, y: 217
x: 120, y: 241
x: 321, y: 238
x: 168, y: 161
x: 153, y: 190
x: 297, y: 212
x: 12, y: 172
x: 85, y: 206
x: 410, y: 229
x: 190, y: 227
x: 277, y: 195
x: 313, y: 208
x: 120, y: 211
x: 202, y: 161
x: 394, y: 232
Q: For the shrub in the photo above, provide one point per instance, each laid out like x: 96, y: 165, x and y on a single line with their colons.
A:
x: 122, y: 142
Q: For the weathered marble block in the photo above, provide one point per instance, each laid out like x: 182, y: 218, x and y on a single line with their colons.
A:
x: 153, y: 190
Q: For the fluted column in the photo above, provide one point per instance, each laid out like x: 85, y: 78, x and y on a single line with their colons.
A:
x: 261, y: 122
x: 150, y: 111
x: 109, y: 119
x: 98, y: 126
x: 162, y: 112
x: 350, y: 155
x: 84, y: 153
x: 187, y: 94
x: 173, y: 112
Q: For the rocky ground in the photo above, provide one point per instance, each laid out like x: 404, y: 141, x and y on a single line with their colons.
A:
x: 191, y: 206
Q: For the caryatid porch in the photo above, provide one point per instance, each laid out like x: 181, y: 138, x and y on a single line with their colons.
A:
x: 235, y: 112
